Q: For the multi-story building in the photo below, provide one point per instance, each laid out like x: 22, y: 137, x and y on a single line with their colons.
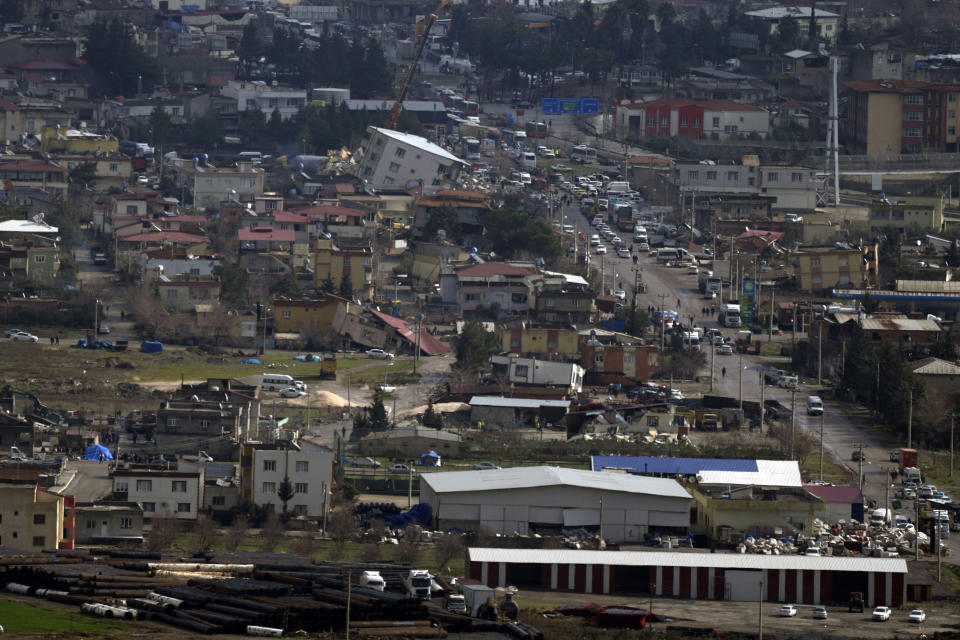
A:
x: 395, y: 160
x: 822, y: 268
x: 39, y: 174
x: 175, y: 262
x: 306, y: 464
x: 617, y: 358
x: 306, y: 316
x: 793, y: 187
x: 108, y: 522
x: 889, y: 117
x: 544, y: 341
x: 257, y: 95
x: 669, y: 117
x: 638, y: 75
x: 826, y: 21
x: 539, y: 373
x: 902, y: 213
x: 565, y: 299
x: 212, y: 409
x: 334, y: 262
x: 31, y: 518
x: 185, y: 295
x: 508, y: 286
x: 161, y: 493
x: 209, y: 186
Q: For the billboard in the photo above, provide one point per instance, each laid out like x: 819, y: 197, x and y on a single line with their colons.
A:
x: 576, y: 106
x: 746, y: 302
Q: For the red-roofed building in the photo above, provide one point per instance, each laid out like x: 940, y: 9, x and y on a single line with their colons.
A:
x: 469, y: 205
x: 842, y: 503
x: 47, y: 176
x: 507, y: 286
x: 668, y: 117
x: 185, y: 295
x: 428, y: 345
x: 142, y: 241
x: 266, y: 239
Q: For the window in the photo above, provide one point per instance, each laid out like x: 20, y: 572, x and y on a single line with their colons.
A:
x: 951, y: 114
x: 39, y: 258
x: 951, y: 130
x: 171, y: 422
x: 716, y: 123
x: 300, y: 509
x: 388, y: 180
x: 773, y: 176
x: 843, y: 262
x: 285, y: 315
x: 815, y: 262
x: 113, y: 167
x: 394, y: 167
x: 368, y: 262
x: 816, y: 279
x: 204, y: 424
x: 951, y: 97
x: 39, y: 518
x: 664, y: 121
x: 651, y: 121
x: 144, y: 485
x: 269, y: 465
x: 693, y: 175
x: 269, y: 487
x: 711, y: 175
x: 219, y: 501
x: 733, y: 175
x: 178, y: 486
x: 796, y: 177
x: 39, y: 541
x: 126, y: 523
x: 301, y: 487
x: 91, y: 524
x: 697, y: 122
x: 149, y: 507
x: 183, y: 507
x: 911, y: 132
x: 303, y: 466
x: 684, y: 121
x: 598, y: 357
x: 400, y: 152
x: 913, y: 116
x: 914, y: 99
x: 521, y: 371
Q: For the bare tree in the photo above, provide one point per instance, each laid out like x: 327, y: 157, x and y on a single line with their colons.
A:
x: 306, y: 544
x: 237, y: 532
x: 371, y: 552
x: 406, y: 552
x: 342, y: 525
x: 271, y: 532
x: 448, y: 548
x: 163, y: 531
x: 204, y: 531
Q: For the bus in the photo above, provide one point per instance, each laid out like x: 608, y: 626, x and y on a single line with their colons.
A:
x: 471, y: 148
x: 729, y: 315
x: 536, y: 129
x: 528, y: 160
x: 583, y: 154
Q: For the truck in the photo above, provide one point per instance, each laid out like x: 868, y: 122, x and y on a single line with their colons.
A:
x: 729, y: 315
x: 417, y: 583
x: 856, y: 601
x: 328, y: 367
x: 624, y: 214
x: 702, y: 279
x: 907, y: 458
x: 372, y: 580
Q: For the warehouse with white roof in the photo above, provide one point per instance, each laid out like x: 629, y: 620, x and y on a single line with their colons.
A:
x: 623, y: 508
x: 699, y: 576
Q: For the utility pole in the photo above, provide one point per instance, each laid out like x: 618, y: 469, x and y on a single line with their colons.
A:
x: 760, y: 611
x: 819, y: 350
x: 741, y: 383
x: 762, y: 389
x: 916, y: 522
x: 713, y: 352
x: 910, y: 421
x: 662, y: 297
x: 770, y: 334
x: 952, y: 417
x: 349, y: 591
x: 821, y: 446
x: 793, y: 419
x: 860, y: 472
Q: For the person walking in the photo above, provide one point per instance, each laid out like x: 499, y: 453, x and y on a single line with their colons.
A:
x: 723, y: 372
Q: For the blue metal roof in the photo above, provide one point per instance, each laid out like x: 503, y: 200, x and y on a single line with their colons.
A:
x: 671, y: 466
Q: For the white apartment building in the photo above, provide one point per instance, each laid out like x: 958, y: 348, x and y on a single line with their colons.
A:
x: 160, y: 493
x: 209, y: 186
x: 310, y: 470
x: 793, y: 187
x: 258, y: 95
x: 395, y: 160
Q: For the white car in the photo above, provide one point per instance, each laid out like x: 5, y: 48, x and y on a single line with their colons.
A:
x: 917, y: 615
x: 383, y: 387
x: 379, y: 354
x: 600, y: 250
x: 24, y: 337
x: 881, y: 614
x: 365, y: 462
x: 485, y: 466
x: 644, y: 246
x: 693, y: 270
x: 9, y: 332
x: 398, y: 467
x: 724, y: 350
x: 292, y: 392
x: 819, y: 613
x: 620, y: 295
x: 623, y: 253
x: 788, y: 611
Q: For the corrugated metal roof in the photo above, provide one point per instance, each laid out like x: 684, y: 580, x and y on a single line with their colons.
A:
x: 936, y: 367
x: 898, y: 324
x: 671, y: 466
x: 929, y: 286
x: 528, y: 477
x: 769, y: 473
x: 676, y: 559
x: 516, y: 403
x: 841, y: 494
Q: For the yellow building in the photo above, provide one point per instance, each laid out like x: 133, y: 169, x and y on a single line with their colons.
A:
x: 59, y: 139
x: 305, y: 316
x: 905, y: 213
x: 753, y: 510
x: 31, y: 518
x: 539, y: 341
x: 820, y: 268
x: 334, y: 262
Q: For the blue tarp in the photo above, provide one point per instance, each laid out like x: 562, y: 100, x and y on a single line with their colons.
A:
x: 421, y: 514
x: 252, y: 361
x: 151, y: 346
x: 430, y: 459
x: 308, y: 358
x: 93, y: 452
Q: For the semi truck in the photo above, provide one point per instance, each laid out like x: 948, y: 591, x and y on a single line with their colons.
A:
x: 417, y: 583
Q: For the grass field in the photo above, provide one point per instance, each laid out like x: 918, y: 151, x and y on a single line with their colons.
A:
x: 19, y: 617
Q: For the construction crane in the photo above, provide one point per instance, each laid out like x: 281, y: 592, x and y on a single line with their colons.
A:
x: 394, y: 114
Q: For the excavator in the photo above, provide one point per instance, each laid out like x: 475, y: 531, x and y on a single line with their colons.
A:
x: 394, y: 114
x: 40, y: 411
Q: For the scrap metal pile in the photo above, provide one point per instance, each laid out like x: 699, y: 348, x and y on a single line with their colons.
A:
x: 845, y: 538
x: 267, y: 597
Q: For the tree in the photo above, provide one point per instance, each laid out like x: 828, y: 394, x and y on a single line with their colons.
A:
x: 448, y: 548
x: 286, y: 286
x: 446, y: 218
x: 204, y: 531
x: 119, y: 65
x: 250, y: 48
x: 379, y: 420
x: 83, y: 174
x: 285, y: 492
x: 474, y: 347
x: 271, y: 532
x: 237, y: 532
x: 161, y: 126
x: 234, y: 285
x: 306, y: 544
x: 431, y: 419
x: 514, y: 233
x: 327, y: 286
x: 788, y: 35
x: 346, y: 287
x: 342, y: 525
x: 163, y: 531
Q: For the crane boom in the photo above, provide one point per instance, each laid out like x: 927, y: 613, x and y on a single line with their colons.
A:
x: 394, y: 114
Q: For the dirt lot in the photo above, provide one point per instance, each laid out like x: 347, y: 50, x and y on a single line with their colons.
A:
x: 740, y: 616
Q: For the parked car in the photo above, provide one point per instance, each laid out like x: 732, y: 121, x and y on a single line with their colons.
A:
x: 600, y: 250
x: 379, y: 354
x: 788, y: 611
x: 365, y: 462
x: 643, y: 247
x: 858, y: 456
x: 724, y: 350
x: 9, y: 332
x: 383, y: 387
x: 819, y: 613
x: 620, y: 295
x: 788, y: 382
x: 103, y: 329
x: 917, y: 615
x: 24, y: 337
x: 399, y: 467
x: 485, y: 466
x: 881, y: 614
x: 941, y: 495
x: 693, y: 270
x: 292, y: 392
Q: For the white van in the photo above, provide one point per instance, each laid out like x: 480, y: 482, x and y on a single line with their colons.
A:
x: 528, y: 160
x: 880, y: 517
x: 372, y: 580
x: 814, y: 406
x: 278, y: 381
x: 250, y: 156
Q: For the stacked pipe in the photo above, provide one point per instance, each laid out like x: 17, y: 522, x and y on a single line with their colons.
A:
x: 397, y: 629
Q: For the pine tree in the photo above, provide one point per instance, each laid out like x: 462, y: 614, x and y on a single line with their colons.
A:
x: 431, y: 419
x: 285, y: 492
x: 379, y: 420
